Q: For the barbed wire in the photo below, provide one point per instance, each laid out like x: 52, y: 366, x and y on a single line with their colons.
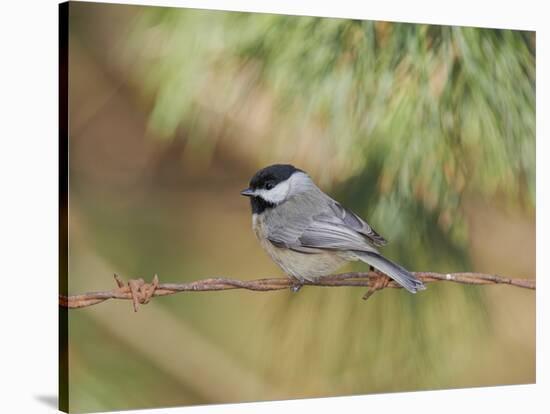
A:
x: 141, y: 292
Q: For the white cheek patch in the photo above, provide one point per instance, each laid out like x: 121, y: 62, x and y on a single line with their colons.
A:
x: 277, y: 194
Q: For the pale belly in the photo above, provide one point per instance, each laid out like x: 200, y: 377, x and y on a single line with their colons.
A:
x: 302, y: 266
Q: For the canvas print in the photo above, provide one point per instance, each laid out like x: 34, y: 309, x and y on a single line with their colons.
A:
x: 261, y: 207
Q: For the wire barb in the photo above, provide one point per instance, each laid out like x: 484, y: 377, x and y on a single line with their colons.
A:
x: 379, y: 282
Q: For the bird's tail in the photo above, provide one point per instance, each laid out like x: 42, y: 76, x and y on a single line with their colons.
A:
x: 393, y: 270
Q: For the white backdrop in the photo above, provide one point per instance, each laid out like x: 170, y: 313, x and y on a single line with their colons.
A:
x: 28, y: 203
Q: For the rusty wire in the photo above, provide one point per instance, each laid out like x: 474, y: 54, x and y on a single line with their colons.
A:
x: 141, y: 292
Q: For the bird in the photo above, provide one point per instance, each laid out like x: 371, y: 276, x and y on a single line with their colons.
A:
x: 310, y: 235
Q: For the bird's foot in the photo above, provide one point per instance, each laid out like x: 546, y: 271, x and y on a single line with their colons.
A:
x: 296, y: 284
x: 140, y: 291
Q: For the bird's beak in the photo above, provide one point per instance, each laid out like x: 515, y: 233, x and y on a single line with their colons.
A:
x: 247, y: 192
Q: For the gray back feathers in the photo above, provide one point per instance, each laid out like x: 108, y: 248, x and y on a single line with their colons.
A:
x: 312, y: 220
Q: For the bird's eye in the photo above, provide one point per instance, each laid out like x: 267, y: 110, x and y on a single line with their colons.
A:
x: 269, y: 186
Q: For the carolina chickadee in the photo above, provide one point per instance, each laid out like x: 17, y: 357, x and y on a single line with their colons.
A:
x: 307, y: 233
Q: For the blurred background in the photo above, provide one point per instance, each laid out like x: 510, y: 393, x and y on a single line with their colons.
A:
x: 426, y: 131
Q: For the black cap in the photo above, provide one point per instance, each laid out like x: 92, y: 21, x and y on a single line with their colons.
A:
x: 274, y: 174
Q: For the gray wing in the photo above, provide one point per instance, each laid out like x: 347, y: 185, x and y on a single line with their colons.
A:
x: 331, y: 232
x: 333, y: 228
x: 357, y: 224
